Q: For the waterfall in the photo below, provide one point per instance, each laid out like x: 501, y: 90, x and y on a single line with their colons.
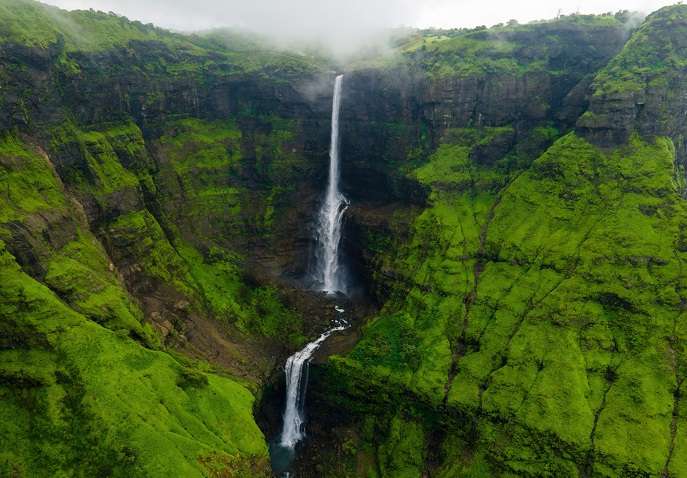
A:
x: 329, y: 272
x: 296, y: 385
x: 329, y: 276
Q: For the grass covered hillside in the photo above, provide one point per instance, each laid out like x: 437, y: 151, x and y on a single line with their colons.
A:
x: 534, y: 324
x: 131, y: 341
x: 541, y: 330
x: 85, y: 389
x: 37, y: 25
x: 517, y: 224
x: 639, y: 90
x: 540, y: 46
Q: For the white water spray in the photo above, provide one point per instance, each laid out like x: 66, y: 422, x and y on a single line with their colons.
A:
x: 296, y: 385
x: 329, y: 271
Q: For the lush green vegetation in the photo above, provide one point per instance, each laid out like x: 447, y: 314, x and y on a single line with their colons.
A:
x: 534, y: 320
x: 534, y: 297
x: 204, y: 196
x: 537, y: 303
x: 81, y: 399
x: 209, y: 182
x: 112, y: 169
x: 79, y: 395
x: 511, y: 49
x: 653, y: 54
x: 70, y: 259
x: 67, y: 33
x: 102, y: 173
x: 36, y: 24
x: 255, y: 310
x: 29, y: 184
x: 69, y: 324
x: 198, y: 183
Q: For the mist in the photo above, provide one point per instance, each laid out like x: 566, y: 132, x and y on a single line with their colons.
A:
x: 344, y: 27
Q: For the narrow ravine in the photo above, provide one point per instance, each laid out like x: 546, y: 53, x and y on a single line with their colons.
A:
x: 330, y: 278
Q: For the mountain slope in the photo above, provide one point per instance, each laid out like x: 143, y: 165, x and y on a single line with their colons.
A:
x: 99, y: 284
x: 519, y: 223
x: 534, y: 325
x: 79, y: 394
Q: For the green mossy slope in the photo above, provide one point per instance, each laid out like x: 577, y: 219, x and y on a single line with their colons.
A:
x: 535, y: 322
x: 514, y: 49
x: 218, y: 198
x: 51, y: 232
x: 650, y: 57
x: 217, y: 178
x: 534, y: 307
x: 544, y: 302
x: 81, y: 400
x: 156, y: 214
x: 80, y: 396
x: 641, y: 89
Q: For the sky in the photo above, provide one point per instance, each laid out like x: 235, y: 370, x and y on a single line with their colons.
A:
x: 345, y: 24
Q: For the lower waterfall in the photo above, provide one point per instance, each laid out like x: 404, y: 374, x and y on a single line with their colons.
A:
x: 293, y: 428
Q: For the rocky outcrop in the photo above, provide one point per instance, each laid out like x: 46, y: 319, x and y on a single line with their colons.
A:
x: 642, y: 89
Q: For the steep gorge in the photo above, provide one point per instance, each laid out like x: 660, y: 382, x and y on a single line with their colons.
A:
x: 516, y: 222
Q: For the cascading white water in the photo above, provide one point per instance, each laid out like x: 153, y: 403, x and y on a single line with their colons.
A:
x: 329, y: 271
x: 296, y: 386
x: 330, y: 277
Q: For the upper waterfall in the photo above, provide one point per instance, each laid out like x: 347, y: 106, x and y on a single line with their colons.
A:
x: 329, y: 273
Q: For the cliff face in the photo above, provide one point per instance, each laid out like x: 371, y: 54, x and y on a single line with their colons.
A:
x: 642, y: 88
x: 532, y: 82
x: 85, y: 385
x: 516, y: 219
x: 533, y: 316
x: 145, y: 179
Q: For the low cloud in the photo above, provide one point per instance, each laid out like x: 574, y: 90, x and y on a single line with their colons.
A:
x: 343, y: 26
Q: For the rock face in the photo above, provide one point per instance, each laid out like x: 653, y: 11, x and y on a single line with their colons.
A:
x: 516, y: 303
x: 134, y: 185
x: 642, y: 88
x: 516, y: 222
